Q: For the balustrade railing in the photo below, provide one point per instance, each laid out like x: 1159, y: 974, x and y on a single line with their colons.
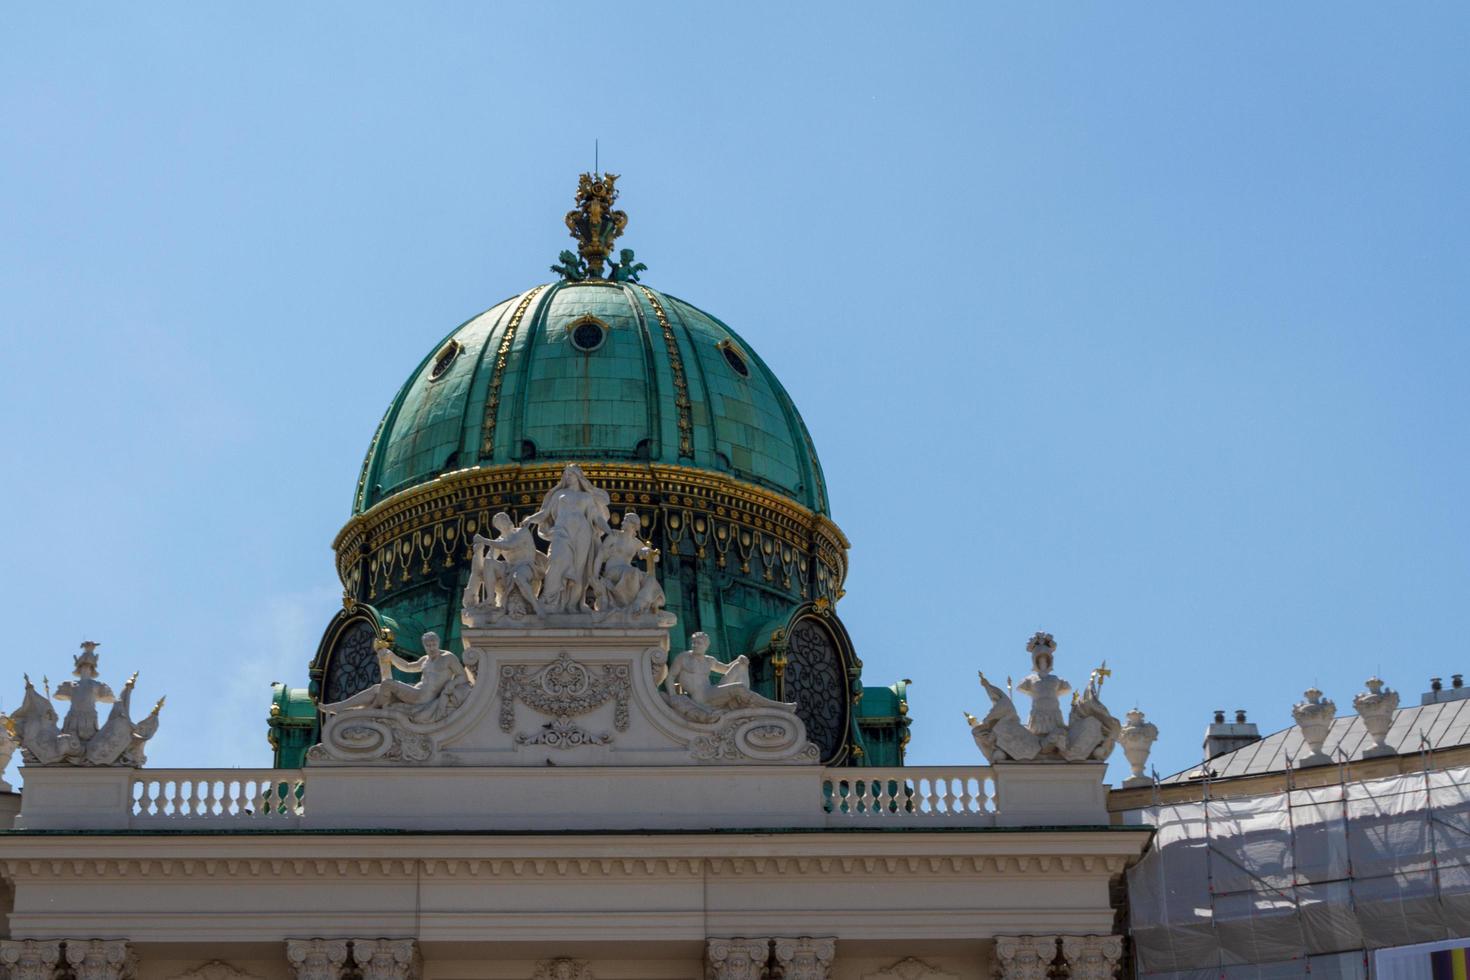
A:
x: 909, y: 796
x: 217, y: 795
x: 912, y: 795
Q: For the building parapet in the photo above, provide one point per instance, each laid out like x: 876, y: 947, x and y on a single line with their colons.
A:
x: 567, y: 799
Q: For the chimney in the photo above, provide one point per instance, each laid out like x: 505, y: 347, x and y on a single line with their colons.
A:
x: 1438, y: 693
x: 1223, y: 736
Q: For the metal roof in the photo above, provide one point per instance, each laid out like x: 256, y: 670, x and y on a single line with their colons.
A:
x: 1444, y: 725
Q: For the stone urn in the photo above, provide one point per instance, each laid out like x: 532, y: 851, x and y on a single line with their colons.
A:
x: 1138, y: 738
x: 1376, y: 707
x: 1314, y: 717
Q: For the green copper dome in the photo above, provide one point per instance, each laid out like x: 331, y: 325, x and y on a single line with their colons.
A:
x: 593, y: 371
x: 665, y: 409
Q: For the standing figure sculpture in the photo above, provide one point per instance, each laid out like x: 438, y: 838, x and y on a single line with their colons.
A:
x: 1045, y: 690
x: 84, y: 693
x: 573, y: 518
x: 512, y: 583
x: 1088, y: 733
x: 442, y: 685
x: 79, y: 740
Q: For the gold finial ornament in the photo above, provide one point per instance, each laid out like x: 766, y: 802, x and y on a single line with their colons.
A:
x: 594, y: 223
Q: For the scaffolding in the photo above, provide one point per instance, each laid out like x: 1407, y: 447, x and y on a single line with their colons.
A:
x: 1304, y: 882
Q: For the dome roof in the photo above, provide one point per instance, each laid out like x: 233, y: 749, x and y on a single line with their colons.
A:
x: 593, y: 371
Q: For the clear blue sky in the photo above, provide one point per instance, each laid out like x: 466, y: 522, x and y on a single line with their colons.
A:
x: 1145, y: 325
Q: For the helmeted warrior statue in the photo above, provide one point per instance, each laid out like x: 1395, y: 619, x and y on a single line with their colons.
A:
x: 1088, y: 733
x: 80, y: 740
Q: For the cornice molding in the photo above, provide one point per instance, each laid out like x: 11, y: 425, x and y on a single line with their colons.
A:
x: 1029, y: 866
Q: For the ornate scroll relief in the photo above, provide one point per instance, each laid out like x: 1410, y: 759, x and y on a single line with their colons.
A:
x: 80, y: 740
x: 1092, y: 957
x: 1088, y: 733
x: 589, y: 575
x: 317, y: 959
x: 805, y: 958
x: 1024, y: 957
x: 398, y: 721
x: 737, y: 959
x: 748, y: 727
x: 100, y: 959
x: 910, y: 968
x: 387, y: 959
x: 30, y: 959
x: 564, y: 689
x: 562, y: 968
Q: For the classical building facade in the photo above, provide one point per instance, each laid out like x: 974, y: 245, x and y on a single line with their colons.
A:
x: 588, y: 712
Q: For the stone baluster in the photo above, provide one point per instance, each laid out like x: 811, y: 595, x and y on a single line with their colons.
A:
x: 387, y: 959
x: 317, y: 959
x: 1024, y: 957
x: 737, y: 958
x: 1092, y: 957
x: 99, y: 959
x: 30, y: 959
x: 805, y: 958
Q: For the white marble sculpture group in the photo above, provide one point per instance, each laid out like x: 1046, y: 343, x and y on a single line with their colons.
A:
x: 79, y: 740
x: 1087, y: 733
x: 589, y: 570
x: 558, y: 660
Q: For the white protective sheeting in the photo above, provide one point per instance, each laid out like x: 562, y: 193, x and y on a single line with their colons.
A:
x: 1302, y: 881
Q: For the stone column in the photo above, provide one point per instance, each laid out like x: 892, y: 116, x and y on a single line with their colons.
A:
x: 1092, y: 957
x: 317, y: 959
x: 30, y: 959
x: 1024, y: 957
x: 100, y: 959
x: 805, y: 958
x: 387, y: 959
x: 737, y: 958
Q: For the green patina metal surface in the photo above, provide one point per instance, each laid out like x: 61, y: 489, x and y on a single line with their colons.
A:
x: 618, y: 402
x: 667, y: 384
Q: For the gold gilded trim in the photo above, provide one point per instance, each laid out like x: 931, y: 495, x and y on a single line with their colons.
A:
x: 761, y: 534
x: 681, y: 384
x: 497, y: 376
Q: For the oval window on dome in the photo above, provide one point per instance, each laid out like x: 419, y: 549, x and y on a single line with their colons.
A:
x: 734, y: 358
x: 588, y: 333
x: 443, y: 359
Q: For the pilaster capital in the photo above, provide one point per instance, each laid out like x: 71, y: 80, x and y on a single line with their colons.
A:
x: 100, y: 959
x: 387, y: 959
x: 1024, y: 957
x: 805, y: 958
x: 737, y: 958
x: 30, y: 959
x: 317, y: 959
x: 1092, y: 957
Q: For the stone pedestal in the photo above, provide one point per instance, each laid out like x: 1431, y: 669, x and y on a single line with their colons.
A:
x: 9, y: 809
x: 75, y: 798
x: 557, y: 696
x: 1058, y: 794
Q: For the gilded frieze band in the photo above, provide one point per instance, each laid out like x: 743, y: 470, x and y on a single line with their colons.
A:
x: 746, y: 529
